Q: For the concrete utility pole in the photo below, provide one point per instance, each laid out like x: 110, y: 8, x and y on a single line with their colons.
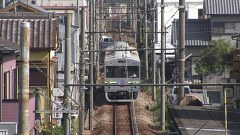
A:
x: 163, y: 123
x: 23, y: 119
x: 91, y: 62
x: 138, y: 39
x: 181, y: 47
x: 96, y: 17
x: 82, y: 73
x: 146, y: 39
x: 154, y: 52
x: 67, y: 74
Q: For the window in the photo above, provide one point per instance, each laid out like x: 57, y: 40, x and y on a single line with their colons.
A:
x: 6, y: 85
x: 120, y: 72
x: 38, y: 77
x: 229, y: 28
x: 226, y: 28
x: 218, y: 28
x: 200, y: 13
x: 133, y: 71
x: 186, y: 90
x: 115, y: 72
x: 15, y: 83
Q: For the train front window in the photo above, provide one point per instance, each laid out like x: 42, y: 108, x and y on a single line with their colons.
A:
x: 120, y: 71
x: 133, y: 71
x: 115, y: 72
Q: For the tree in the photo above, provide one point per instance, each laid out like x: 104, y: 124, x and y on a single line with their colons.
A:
x: 215, y: 59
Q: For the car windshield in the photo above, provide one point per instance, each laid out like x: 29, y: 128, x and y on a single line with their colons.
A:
x: 186, y: 90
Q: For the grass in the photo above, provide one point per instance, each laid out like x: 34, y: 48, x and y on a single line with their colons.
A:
x: 156, y: 110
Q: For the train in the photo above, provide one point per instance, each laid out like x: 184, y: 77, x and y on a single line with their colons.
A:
x: 122, y: 66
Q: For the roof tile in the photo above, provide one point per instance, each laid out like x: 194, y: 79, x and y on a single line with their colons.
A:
x: 43, y: 32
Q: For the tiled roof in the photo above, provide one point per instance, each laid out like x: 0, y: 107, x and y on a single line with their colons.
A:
x: 8, y: 47
x: 198, y: 32
x: 221, y: 7
x: 28, y: 6
x: 43, y: 32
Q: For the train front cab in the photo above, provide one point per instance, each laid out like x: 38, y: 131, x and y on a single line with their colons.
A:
x: 121, y: 95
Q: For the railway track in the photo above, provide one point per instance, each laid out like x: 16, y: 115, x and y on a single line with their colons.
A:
x: 124, y: 119
x: 115, y: 27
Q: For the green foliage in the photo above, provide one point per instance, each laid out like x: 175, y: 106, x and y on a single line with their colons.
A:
x: 58, y: 130
x: 215, y: 59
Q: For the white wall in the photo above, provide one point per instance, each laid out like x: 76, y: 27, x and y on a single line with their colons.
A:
x: 171, y: 12
x: 60, y: 2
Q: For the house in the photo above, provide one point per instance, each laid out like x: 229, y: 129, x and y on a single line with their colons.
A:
x: 225, y: 22
x: 221, y: 21
x: 193, y: 11
x: 60, y: 7
x: 224, y: 16
x: 9, y: 52
x: 43, y: 43
x: 198, y: 37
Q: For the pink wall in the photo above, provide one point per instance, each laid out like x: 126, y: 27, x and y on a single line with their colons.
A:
x: 9, y: 63
x: 10, y: 111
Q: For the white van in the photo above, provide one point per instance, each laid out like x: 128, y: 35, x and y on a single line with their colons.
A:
x: 106, y: 41
x: 175, y: 92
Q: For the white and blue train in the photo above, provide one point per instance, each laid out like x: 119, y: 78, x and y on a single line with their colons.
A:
x: 121, y: 67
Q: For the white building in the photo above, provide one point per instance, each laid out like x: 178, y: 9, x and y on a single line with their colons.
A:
x: 193, y: 8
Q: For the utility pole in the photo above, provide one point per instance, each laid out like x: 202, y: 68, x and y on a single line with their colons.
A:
x: 154, y: 52
x: 138, y: 39
x: 23, y: 119
x: 163, y: 123
x: 96, y: 17
x: 82, y: 73
x: 146, y: 39
x: 67, y: 74
x: 181, y: 47
x: 91, y: 62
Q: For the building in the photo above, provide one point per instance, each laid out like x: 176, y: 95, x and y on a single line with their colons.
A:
x: 9, y: 52
x: 193, y: 11
x: 43, y: 43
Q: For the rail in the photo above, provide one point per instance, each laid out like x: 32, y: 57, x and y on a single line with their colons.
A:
x: 131, y: 117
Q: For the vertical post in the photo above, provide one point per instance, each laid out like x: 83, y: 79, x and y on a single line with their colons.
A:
x: 3, y: 3
x: 162, y: 67
x: 225, y: 111
x: 91, y: 62
x: 181, y: 47
x: 82, y: 74
x: 154, y: 53
x: 23, y: 122
x: 37, y: 104
x: 67, y: 104
x: 1, y: 91
x: 138, y: 39
x: 37, y: 108
x: 78, y: 14
x: 97, y: 40
x: 146, y: 40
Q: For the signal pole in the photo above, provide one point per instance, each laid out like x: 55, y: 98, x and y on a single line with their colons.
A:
x: 181, y: 47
